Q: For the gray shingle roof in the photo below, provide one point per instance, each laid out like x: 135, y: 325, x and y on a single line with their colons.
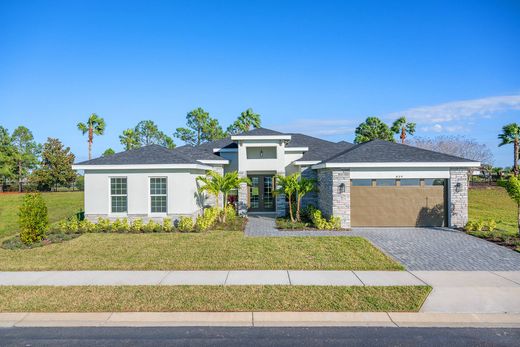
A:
x: 318, y: 148
x: 154, y: 154
x: 260, y: 132
x: 379, y: 151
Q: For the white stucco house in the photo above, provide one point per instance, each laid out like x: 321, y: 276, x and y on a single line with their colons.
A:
x: 376, y: 183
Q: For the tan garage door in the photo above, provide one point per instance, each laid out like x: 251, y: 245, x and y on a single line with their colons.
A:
x: 390, y: 204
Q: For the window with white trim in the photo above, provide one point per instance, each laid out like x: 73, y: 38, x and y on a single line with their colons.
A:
x: 158, y: 195
x: 118, y: 195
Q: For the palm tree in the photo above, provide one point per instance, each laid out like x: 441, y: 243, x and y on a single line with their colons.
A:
x: 287, y: 185
x: 401, y: 126
x: 511, y: 134
x: 95, y: 126
x: 304, y: 186
x: 244, y: 122
x: 214, y: 184
x: 130, y: 139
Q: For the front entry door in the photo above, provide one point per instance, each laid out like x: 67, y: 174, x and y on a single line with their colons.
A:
x: 261, y: 198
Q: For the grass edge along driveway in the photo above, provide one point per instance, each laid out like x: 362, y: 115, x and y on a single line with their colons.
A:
x: 218, y: 250
x: 211, y: 298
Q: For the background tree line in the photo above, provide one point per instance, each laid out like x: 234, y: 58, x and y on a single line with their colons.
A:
x: 27, y: 163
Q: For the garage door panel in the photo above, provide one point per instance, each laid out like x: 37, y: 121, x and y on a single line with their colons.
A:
x: 397, y: 206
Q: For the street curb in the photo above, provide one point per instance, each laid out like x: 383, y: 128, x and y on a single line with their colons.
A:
x: 259, y: 319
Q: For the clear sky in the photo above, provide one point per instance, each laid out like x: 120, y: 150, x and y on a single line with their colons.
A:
x: 317, y: 67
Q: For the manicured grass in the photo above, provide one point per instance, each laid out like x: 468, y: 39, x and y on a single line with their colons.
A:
x: 60, y: 206
x: 218, y: 250
x: 210, y: 298
x: 494, y: 203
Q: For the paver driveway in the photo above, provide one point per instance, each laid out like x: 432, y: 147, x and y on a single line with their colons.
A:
x: 416, y: 248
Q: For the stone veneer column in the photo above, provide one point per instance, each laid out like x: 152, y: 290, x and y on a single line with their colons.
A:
x: 280, y: 199
x: 210, y: 199
x: 242, y: 196
x: 330, y: 201
x: 458, y: 201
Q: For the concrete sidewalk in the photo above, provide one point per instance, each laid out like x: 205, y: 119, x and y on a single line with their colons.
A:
x: 239, y: 277
x: 453, y: 291
x: 257, y: 319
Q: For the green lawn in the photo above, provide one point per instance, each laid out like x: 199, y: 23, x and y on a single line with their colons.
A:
x: 60, y: 205
x: 218, y: 250
x: 210, y: 298
x: 494, y: 203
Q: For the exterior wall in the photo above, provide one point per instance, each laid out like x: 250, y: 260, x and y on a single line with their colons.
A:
x: 210, y: 199
x: 289, y: 159
x: 233, y: 161
x: 330, y: 201
x: 183, y: 197
x: 458, y: 200
x: 400, y: 172
x: 245, y: 165
x: 311, y: 198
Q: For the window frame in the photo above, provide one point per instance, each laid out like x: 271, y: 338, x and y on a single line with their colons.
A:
x: 111, y: 213
x: 150, y: 195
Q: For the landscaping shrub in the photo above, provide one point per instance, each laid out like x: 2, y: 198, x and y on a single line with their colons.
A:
x: 119, y: 226
x: 86, y: 226
x: 186, y: 224
x: 207, y: 219
x: 321, y: 223
x: 307, y: 212
x: 33, y: 219
x: 136, y: 226
x: 152, y: 227
x: 283, y: 223
x: 231, y: 213
x: 167, y: 225
x: 490, y: 225
x: 103, y: 225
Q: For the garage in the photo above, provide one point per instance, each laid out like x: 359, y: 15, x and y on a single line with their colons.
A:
x: 398, y: 202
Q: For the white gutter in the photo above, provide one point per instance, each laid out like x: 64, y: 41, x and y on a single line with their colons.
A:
x: 225, y: 150
x: 267, y: 137
x: 141, y: 167
x: 467, y: 164
x: 214, y: 161
x: 306, y: 163
x: 296, y: 149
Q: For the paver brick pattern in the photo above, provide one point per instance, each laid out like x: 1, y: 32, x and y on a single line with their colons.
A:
x: 428, y: 249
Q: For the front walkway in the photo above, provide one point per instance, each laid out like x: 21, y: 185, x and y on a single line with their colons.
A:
x: 429, y: 249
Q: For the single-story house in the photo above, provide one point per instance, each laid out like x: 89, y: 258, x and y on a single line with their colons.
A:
x: 377, y: 183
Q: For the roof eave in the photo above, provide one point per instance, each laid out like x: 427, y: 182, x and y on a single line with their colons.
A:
x: 140, y: 166
x: 260, y: 137
x: 468, y: 164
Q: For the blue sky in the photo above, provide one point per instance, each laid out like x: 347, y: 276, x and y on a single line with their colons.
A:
x: 309, y: 66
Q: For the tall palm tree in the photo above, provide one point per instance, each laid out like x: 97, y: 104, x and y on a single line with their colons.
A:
x: 511, y: 134
x: 403, y: 127
x: 244, y: 122
x: 287, y: 185
x: 304, y: 186
x: 95, y: 126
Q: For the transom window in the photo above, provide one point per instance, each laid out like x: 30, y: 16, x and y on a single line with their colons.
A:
x: 118, y: 195
x: 158, y: 195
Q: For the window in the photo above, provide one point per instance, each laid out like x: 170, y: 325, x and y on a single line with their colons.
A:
x: 118, y: 195
x: 408, y: 182
x: 434, y: 181
x: 158, y: 195
x: 361, y: 183
x: 261, y: 152
x: 385, y: 183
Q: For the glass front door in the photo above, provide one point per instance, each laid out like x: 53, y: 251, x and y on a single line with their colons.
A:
x: 261, y: 198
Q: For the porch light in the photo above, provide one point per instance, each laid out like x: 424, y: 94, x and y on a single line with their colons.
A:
x: 261, y: 153
x: 341, y: 188
x: 458, y: 186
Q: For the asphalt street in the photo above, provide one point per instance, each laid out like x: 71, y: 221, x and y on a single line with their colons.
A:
x: 184, y: 336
